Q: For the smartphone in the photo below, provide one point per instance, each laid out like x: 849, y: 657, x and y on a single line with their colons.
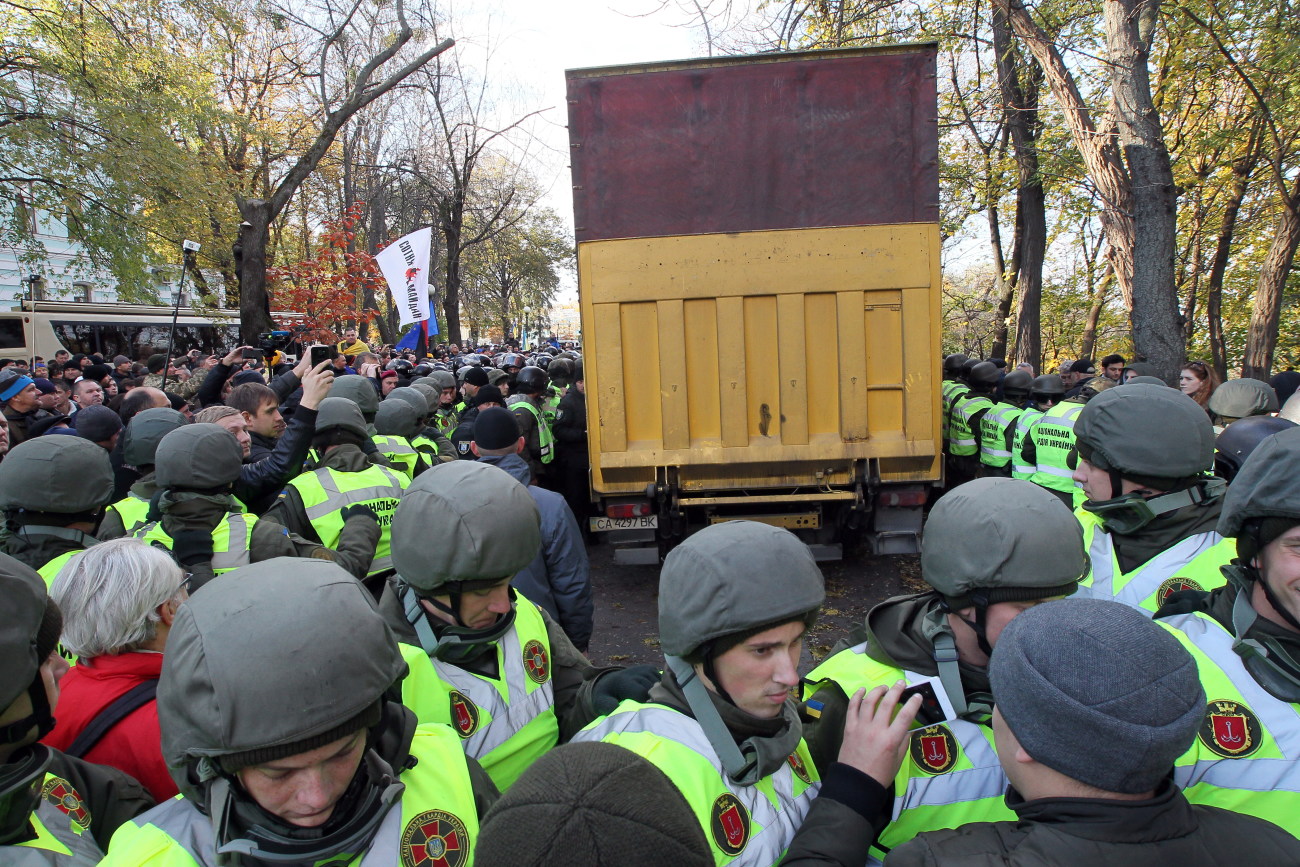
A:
x: 253, y: 354
x: 319, y: 353
x: 935, y: 706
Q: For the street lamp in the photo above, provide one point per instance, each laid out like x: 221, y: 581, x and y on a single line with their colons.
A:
x: 32, y: 281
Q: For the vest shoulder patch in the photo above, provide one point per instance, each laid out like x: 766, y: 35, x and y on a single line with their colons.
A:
x: 464, y: 713
x: 934, y: 749
x: 536, y: 662
x: 729, y: 824
x: 1230, y: 729
x: 1175, y: 585
x: 67, y: 800
x: 435, y: 838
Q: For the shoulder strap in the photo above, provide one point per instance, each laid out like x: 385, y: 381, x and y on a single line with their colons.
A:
x: 121, y: 707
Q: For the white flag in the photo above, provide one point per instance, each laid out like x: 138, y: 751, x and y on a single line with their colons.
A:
x: 405, y: 265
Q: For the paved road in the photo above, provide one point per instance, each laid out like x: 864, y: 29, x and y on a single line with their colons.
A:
x: 627, y: 604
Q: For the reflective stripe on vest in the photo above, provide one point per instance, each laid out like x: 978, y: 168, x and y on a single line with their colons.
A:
x: 133, y: 510
x: 436, y: 808
x: 952, y: 391
x: 676, y: 744
x: 445, y: 420
x: 951, y: 776
x: 426, y: 447
x: 965, y: 439
x: 505, y: 722
x: 231, y: 540
x: 545, y: 439
x: 1053, y: 439
x: 1265, y: 780
x: 61, y: 823
x: 50, y: 570
x: 1191, y: 564
x: 400, y: 453
x: 327, y: 492
x: 995, y: 424
x: 1020, y: 469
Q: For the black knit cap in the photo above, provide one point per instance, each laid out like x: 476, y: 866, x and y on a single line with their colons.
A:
x: 496, y: 428
x: 592, y: 804
x: 477, y: 376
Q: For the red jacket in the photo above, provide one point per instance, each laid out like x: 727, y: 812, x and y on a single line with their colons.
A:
x: 133, y: 745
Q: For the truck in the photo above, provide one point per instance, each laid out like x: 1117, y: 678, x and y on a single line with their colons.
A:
x: 758, y: 249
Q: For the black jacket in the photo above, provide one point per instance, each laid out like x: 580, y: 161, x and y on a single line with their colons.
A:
x: 570, y: 429
x: 260, y: 481
x: 1083, y: 832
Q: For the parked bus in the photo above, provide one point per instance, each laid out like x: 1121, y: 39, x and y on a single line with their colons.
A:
x: 42, y: 328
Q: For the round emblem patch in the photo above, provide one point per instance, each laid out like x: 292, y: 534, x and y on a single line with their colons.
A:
x: 1175, y: 585
x: 435, y: 838
x: 536, y: 662
x: 934, y: 749
x: 464, y: 714
x: 729, y: 823
x: 1230, y: 729
x: 799, y: 768
x: 67, y: 800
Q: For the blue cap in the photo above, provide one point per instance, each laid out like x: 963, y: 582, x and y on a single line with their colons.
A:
x: 13, y: 386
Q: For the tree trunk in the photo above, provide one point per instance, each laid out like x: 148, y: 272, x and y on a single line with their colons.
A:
x: 1006, y: 285
x: 1018, y: 82
x: 1157, y: 328
x: 1094, y: 314
x: 254, y: 302
x: 452, y: 218
x: 1241, y: 171
x: 1273, y: 275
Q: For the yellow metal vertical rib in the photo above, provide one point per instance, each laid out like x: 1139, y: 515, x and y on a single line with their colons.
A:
x: 793, y: 370
x: 700, y: 348
x: 883, y: 326
x: 609, y: 358
x: 672, y: 375
x: 853, y: 366
x: 822, y: 350
x: 640, y: 334
x: 731, y: 371
x: 762, y: 356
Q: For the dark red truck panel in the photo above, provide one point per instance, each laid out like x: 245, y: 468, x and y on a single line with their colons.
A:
x: 739, y: 137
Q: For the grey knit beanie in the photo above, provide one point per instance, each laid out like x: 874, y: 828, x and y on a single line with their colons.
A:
x: 1095, y: 690
x: 592, y: 804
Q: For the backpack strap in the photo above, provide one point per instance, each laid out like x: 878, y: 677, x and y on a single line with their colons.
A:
x: 120, y: 708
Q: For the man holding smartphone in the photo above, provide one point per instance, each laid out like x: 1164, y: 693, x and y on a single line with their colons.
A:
x: 993, y: 548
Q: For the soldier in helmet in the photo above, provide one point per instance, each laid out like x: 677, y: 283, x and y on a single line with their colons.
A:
x: 54, y: 809
x: 139, y: 444
x: 998, y: 426
x: 206, y: 529
x: 1245, y: 637
x: 968, y: 412
x: 429, y: 441
x: 396, y: 424
x: 527, y: 403
x: 284, y: 741
x: 1045, y: 392
x: 735, y: 601
x: 1143, y: 452
x: 445, y: 417
x: 1028, y: 549
x: 1049, y: 443
x: 314, y: 504
x: 1234, y: 445
x: 1240, y: 398
x: 954, y: 387
x: 53, y: 491
x: 484, y: 659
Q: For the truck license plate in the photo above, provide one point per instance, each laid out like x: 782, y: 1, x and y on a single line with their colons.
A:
x: 647, y: 522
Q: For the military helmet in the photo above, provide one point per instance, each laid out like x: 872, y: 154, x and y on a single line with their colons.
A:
x: 396, y: 418
x: 25, y: 598
x: 952, y: 363
x: 358, y: 390
x: 463, y: 521
x: 228, y: 698
x: 560, y: 371
x: 440, y: 380
x: 1001, y: 540
x: 1048, y: 385
x: 422, y: 400
x: 1146, y: 432
x: 1265, y: 485
x: 495, y: 375
x: 1242, y: 398
x: 1095, y: 386
x: 424, y: 369
x: 531, y: 380
x: 542, y: 361
x: 1238, y: 440
x: 733, y: 577
x: 198, y: 457
x: 1017, y: 383
x: 339, y: 413
x: 967, y: 366
x: 145, y: 430
x: 985, y: 373
x: 403, y: 366
x: 61, y: 475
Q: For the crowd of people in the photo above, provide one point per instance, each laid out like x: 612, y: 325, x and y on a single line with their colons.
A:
x: 285, y: 614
